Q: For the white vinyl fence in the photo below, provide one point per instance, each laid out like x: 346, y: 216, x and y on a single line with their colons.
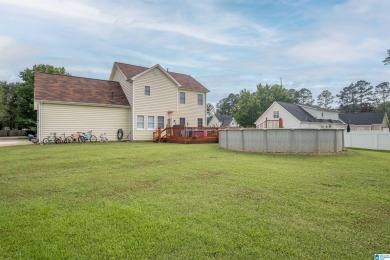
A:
x: 282, y: 140
x: 367, y: 140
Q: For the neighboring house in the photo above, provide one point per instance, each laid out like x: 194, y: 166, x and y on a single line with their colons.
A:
x: 287, y: 115
x: 366, y: 121
x: 223, y: 121
x: 136, y: 99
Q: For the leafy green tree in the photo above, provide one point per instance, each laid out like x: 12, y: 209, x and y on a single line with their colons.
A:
x: 2, y: 106
x: 347, y: 99
x: 210, y: 111
x: 251, y: 105
x: 364, y: 93
x: 325, y: 99
x: 382, y: 94
x: 293, y: 96
x: 246, y: 111
x: 11, y: 115
x: 25, y: 93
x: 225, y: 105
x: 305, y: 97
x: 386, y: 61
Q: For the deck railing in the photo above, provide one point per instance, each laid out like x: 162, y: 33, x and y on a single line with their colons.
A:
x: 276, y: 123
x: 187, y: 135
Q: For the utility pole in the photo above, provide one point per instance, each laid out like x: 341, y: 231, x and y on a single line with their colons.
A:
x: 281, y: 82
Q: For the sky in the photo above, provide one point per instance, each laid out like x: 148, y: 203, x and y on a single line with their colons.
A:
x: 227, y: 45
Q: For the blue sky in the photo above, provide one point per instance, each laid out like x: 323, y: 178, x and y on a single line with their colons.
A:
x: 226, y: 45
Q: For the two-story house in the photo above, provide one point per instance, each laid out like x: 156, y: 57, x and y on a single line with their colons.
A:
x: 136, y: 99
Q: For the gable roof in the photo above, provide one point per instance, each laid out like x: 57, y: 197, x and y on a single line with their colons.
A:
x: 363, y: 118
x: 54, y: 87
x: 302, y: 115
x: 224, y: 119
x: 186, y: 81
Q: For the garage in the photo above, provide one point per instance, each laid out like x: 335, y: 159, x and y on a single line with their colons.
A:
x: 68, y: 104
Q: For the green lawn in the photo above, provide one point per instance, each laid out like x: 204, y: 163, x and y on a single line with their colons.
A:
x: 168, y: 201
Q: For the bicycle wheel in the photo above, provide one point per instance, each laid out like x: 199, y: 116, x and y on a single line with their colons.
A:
x: 81, y: 139
x: 45, y: 141
x: 69, y: 139
x: 58, y: 140
x: 93, y: 138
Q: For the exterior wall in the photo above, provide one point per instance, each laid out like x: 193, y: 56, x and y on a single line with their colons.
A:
x: 126, y: 86
x: 322, y: 114
x: 69, y: 119
x: 191, y: 111
x: 320, y: 125
x: 163, y: 99
x: 214, y: 122
x: 289, y: 121
x: 283, y: 140
x: 368, y: 140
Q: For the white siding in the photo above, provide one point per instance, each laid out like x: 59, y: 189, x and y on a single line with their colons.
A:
x: 162, y: 99
x: 289, y: 121
x: 214, y: 122
x: 191, y: 111
x: 69, y: 119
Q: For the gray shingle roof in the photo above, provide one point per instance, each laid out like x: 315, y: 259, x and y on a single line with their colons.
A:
x: 364, y: 118
x: 224, y: 119
x: 303, y: 115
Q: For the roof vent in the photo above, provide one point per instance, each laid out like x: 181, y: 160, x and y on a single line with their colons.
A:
x: 167, y: 69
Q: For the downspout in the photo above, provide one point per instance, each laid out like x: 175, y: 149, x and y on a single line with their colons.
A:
x: 132, y: 112
x: 205, y: 110
x: 40, y: 121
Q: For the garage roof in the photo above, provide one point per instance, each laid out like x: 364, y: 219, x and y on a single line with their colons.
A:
x: 54, y: 87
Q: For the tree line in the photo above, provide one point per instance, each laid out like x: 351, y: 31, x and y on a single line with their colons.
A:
x: 247, y: 106
x: 17, y: 98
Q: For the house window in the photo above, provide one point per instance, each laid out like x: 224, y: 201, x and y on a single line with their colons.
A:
x: 160, y: 122
x: 140, y: 122
x: 182, y: 97
x: 276, y: 114
x: 200, y: 99
x: 150, y: 122
x: 200, y: 122
x: 182, y: 121
x: 322, y: 114
x: 147, y: 90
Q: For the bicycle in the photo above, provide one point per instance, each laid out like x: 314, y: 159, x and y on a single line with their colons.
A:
x: 61, y: 139
x: 89, y: 136
x: 50, y: 138
x: 103, y: 138
x: 76, y: 138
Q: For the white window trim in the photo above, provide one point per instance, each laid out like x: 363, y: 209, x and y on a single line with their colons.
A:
x: 200, y: 95
x: 143, y: 128
x: 276, y: 113
x: 180, y: 98
x: 149, y: 91
x: 163, y: 123
x: 148, y: 123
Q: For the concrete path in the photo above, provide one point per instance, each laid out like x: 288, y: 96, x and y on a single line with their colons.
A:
x: 14, y: 140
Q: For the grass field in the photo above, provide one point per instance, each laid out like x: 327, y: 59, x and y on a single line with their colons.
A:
x: 169, y: 201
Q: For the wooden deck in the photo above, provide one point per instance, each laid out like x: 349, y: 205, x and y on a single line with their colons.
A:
x: 187, y: 135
